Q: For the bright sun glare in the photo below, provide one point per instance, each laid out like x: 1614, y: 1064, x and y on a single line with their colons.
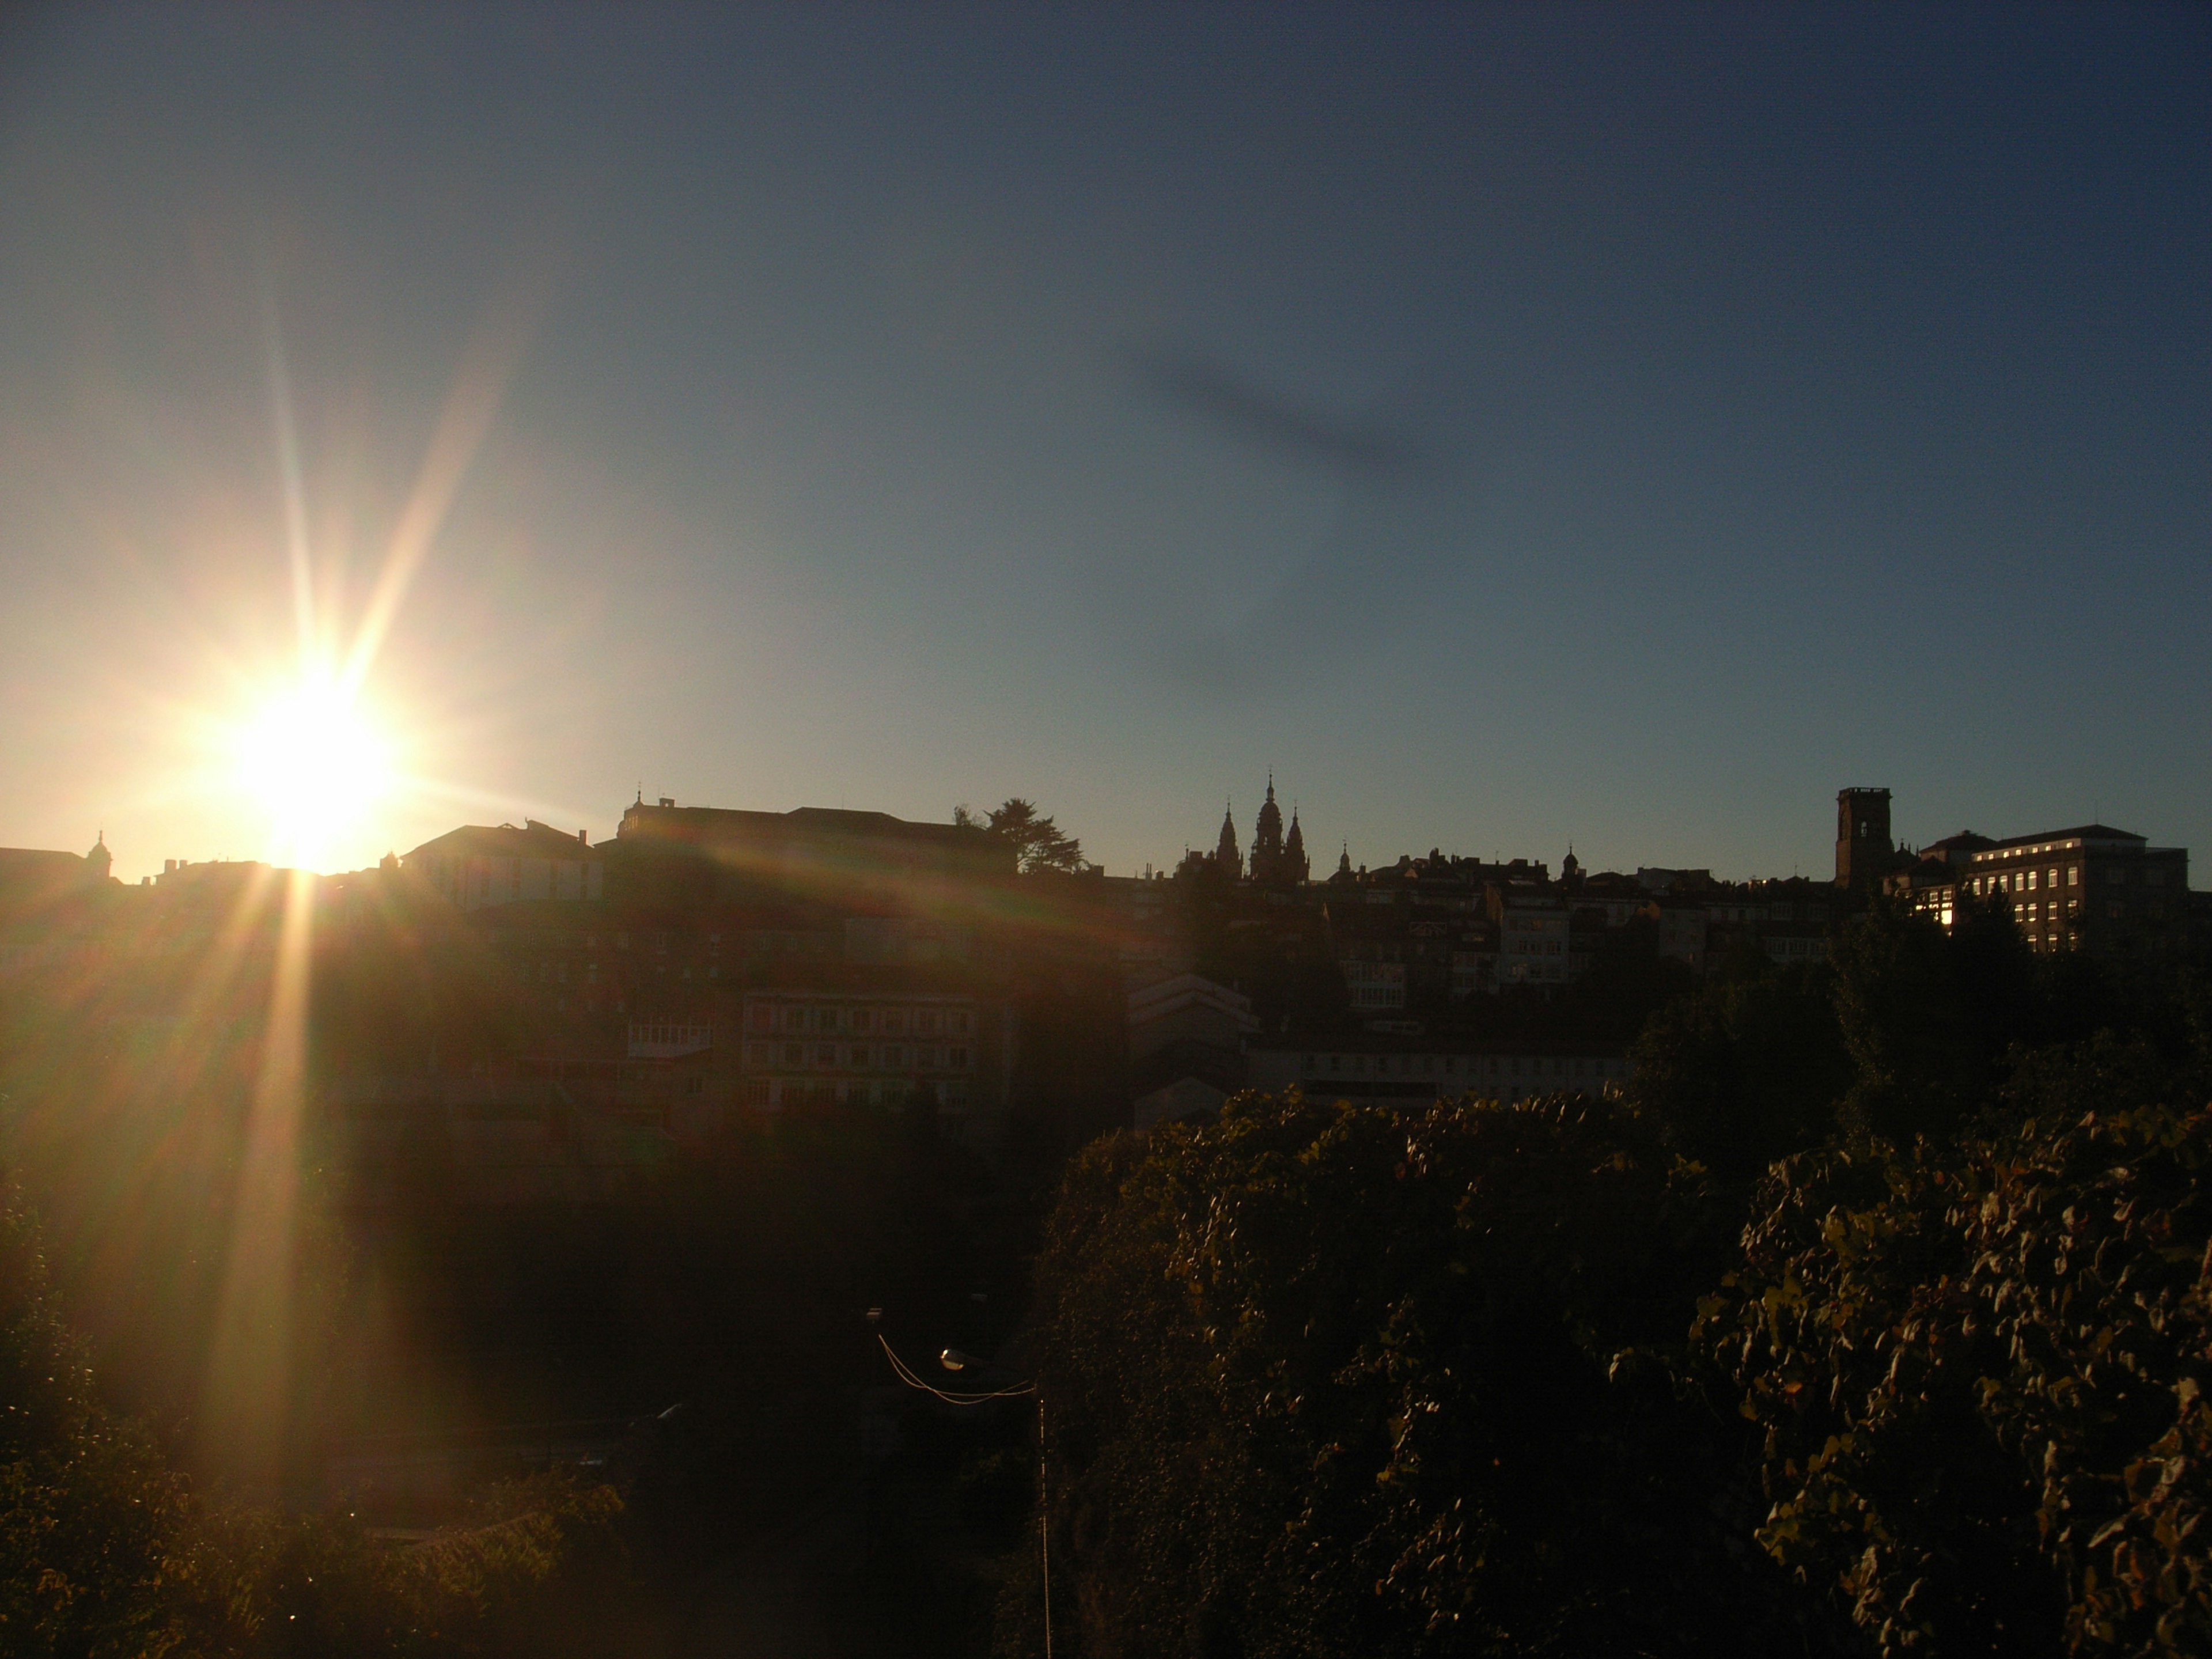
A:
x: 319, y: 764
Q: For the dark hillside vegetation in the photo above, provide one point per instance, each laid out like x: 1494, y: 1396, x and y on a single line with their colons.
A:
x: 106, y: 1548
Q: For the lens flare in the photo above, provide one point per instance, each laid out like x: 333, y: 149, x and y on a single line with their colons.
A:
x: 318, y: 762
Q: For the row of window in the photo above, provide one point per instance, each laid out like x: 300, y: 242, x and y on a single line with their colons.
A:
x: 2023, y: 881
x: 2029, y: 881
x: 1468, y: 1065
x: 791, y: 1092
x: 837, y: 1017
x: 857, y: 1056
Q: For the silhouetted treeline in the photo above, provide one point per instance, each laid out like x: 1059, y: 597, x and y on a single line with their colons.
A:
x: 1875, y: 1319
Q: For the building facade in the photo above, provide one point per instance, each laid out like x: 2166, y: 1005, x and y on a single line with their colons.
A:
x: 2090, y: 888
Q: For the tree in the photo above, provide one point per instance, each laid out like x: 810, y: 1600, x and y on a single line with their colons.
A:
x: 1335, y: 1380
x: 1036, y: 841
x: 86, y: 1507
x: 1980, y: 1372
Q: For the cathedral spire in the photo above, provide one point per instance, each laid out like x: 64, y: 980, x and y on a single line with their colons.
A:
x: 1226, y: 858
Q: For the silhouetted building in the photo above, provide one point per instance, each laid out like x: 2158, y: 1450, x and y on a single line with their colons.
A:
x: 873, y: 1045
x: 1278, y: 860
x: 738, y: 853
x: 1533, y: 933
x: 1186, y: 1036
x: 1864, y: 852
x: 474, y: 866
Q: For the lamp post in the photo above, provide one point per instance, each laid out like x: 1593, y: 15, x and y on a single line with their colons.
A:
x: 953, y: 1360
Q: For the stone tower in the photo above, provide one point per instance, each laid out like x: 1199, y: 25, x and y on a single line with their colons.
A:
x: 1297, y: 867
x: 1864, y: 851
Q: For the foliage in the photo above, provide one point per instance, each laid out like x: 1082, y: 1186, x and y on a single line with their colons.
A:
x: 1979, y: 1369
x: 86, y: 1507
x: 104, y: 1551
x: 1036, y: 841
x: 1337, y: 1379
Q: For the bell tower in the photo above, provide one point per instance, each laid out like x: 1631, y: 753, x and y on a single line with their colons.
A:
x: 1863, y: 848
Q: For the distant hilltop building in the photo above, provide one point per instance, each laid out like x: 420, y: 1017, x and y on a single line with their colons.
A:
x: 1278, y: 856
x: 2092, y: 888
x: 26, y: 872
x: 474, y: 866
x: 1278, y: 859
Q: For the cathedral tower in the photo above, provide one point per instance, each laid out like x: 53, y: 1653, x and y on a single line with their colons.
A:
x: 1267, y: 863
x: 1296, y: 867
x: 1226, y: 858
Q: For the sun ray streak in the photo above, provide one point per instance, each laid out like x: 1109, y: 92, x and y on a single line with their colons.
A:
x: 249, y: 1374
x: 295, y: 500
x: 479, y: 386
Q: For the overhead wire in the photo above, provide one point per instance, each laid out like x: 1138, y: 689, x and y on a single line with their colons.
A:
x: 906, y: 1376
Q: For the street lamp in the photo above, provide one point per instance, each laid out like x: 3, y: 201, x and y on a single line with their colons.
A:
x: 953, y: 1360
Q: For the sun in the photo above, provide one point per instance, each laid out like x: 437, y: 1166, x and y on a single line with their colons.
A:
x: 318, y: 763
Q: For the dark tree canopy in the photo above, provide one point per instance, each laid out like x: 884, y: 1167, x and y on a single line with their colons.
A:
x: 1036, y: 841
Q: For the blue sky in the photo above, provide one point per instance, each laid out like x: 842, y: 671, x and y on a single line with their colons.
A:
x: 1511, y: 425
